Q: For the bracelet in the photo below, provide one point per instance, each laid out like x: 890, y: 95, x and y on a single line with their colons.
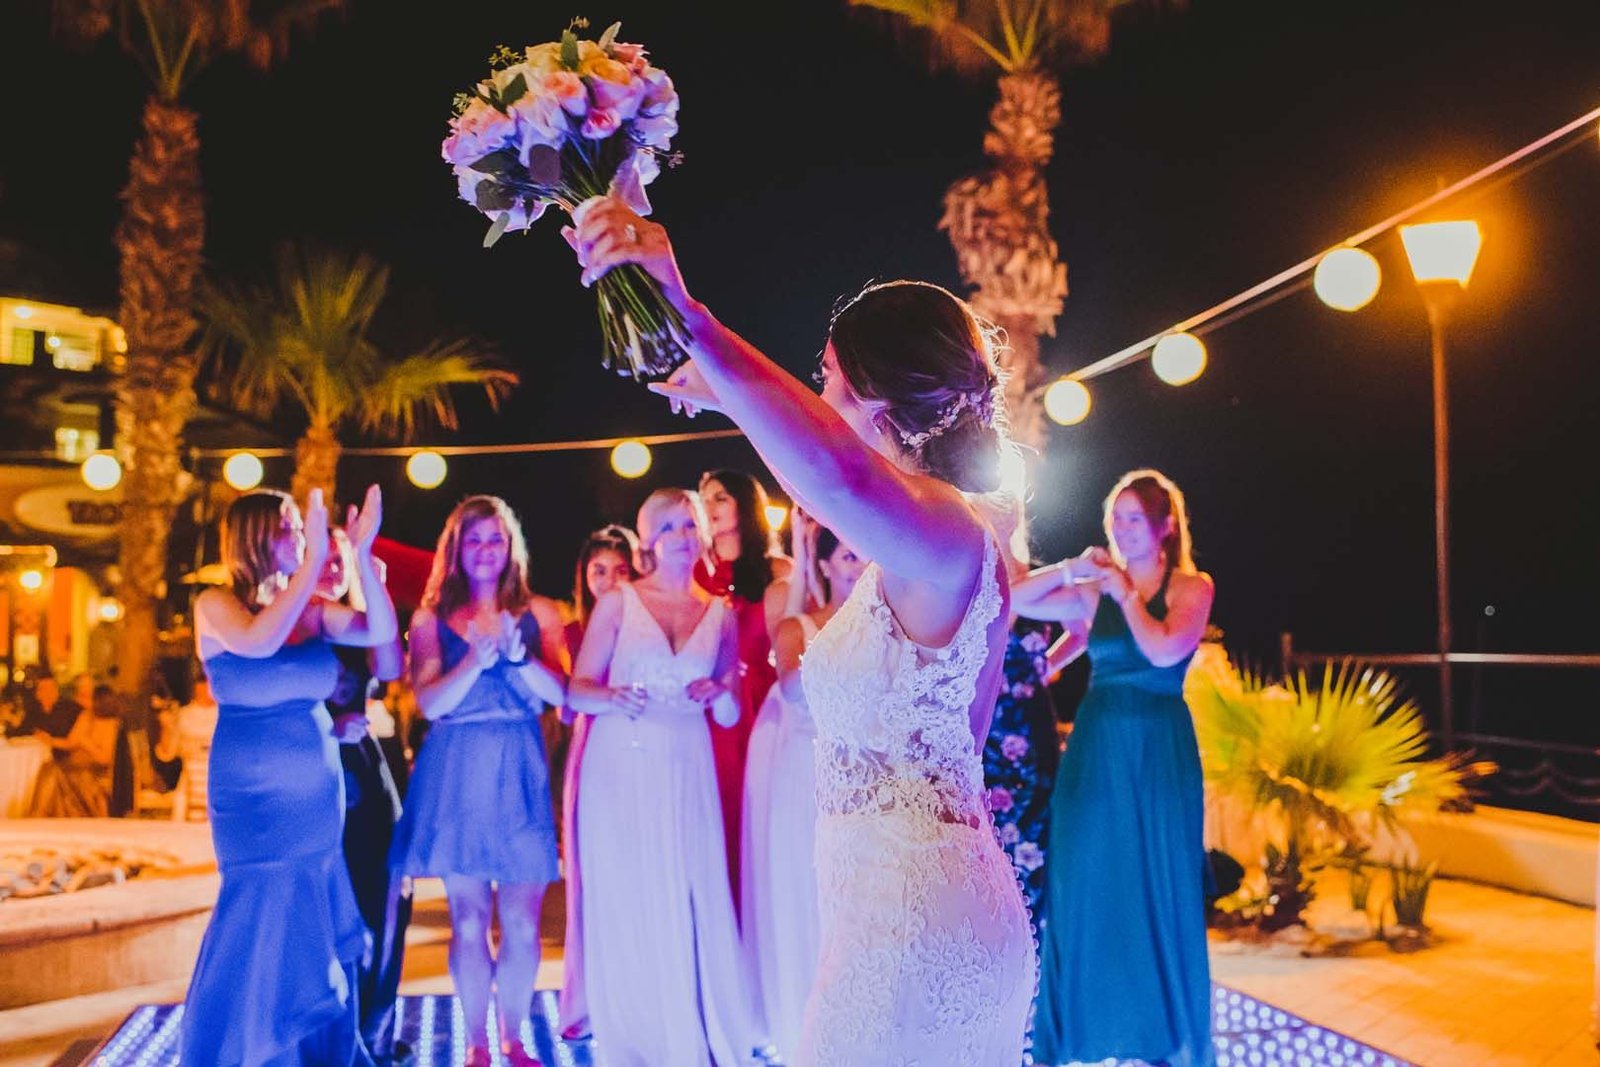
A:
x: 1066, y: 573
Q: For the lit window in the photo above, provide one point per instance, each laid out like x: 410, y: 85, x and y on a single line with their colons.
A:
x: 76, y: 445
x: 21, y: 351
x: 73, y: 351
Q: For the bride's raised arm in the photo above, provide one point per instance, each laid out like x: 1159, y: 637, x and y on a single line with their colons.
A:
x: 835, y: 456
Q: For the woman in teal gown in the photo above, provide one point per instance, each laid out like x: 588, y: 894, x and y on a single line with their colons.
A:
x: 275, y: 981
x: 1123, y: 971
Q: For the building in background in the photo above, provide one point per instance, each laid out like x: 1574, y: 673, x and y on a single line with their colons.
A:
x: 58, y: 535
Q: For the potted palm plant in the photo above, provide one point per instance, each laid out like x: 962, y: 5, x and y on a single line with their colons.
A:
x: 1323, y: 763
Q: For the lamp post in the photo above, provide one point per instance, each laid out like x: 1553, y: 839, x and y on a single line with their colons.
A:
x: 1442, y: 255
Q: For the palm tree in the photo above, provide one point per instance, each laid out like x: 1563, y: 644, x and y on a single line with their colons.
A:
x: 998, y: 220
x: 304, y: 340
x: 159, y: 242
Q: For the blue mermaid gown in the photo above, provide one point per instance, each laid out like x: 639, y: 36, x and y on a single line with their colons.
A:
x: 1123, y: 970
x: 275, y: 980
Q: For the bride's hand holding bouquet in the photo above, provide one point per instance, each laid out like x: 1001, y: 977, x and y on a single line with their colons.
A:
x: 607, y: 234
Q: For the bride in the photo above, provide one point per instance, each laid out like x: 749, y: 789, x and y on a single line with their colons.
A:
x: 927, y: 955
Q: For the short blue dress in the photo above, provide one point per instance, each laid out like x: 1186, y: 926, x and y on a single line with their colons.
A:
x: 479, y: 799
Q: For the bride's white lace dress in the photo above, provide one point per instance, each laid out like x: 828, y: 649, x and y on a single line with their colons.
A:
x: 927, y: 953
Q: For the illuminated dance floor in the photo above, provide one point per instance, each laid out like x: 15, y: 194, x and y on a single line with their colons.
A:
x: 1247, y: 1032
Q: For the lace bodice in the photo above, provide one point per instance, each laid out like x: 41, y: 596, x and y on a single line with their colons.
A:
x: 644, y: 657
x: 893, y: 717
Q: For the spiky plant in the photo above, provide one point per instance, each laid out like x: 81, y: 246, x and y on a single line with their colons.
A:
x: 1326, y: 762
x: 304, y: 340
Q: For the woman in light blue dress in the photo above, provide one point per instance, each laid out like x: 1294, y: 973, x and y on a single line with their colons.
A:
x: 276, y: 977
x: 1124, y: 973
x: 487, y: 659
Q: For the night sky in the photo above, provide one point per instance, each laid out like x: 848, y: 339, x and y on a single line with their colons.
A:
x: 1211, y: 148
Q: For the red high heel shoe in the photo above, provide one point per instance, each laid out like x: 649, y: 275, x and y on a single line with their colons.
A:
x: 517, y: 1054
x: 478, y: 1056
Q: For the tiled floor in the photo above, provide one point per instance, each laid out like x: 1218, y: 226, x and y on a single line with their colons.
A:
x: 1508, y: 981
x: 1246, y: 1032
x: 1508, y: 984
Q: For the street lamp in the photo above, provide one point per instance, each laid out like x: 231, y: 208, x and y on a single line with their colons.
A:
x: 1442, y: 255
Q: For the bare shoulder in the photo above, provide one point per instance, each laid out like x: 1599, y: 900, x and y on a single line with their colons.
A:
x: 782, y: 566
x: 1196, y: 586
x: 545, y: 610
x: 423, y: 623
x: 789, y: 629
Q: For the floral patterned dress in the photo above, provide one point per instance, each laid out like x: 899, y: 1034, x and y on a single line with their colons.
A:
x: 1020, y: 757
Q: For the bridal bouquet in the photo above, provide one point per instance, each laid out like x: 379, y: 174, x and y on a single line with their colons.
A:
x: 557, y: 124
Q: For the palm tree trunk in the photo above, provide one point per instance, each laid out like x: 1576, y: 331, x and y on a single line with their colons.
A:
x: 316, y: 466
x: 159, y: 241
x: 998, y: 223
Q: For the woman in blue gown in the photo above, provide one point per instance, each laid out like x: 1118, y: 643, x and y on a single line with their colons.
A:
x: 1123, y: 972
x: 276, y: 977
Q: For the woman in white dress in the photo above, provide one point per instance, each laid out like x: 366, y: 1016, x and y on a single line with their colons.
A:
x: 927, y: 956
x: 781, y: 926
x: 664, y: 974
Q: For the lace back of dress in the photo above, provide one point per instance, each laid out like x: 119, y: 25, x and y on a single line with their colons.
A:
x: 893, y: 718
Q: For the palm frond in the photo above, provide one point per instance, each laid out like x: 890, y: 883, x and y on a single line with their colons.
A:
x: 420, y: 384
x: 173, y: 40
x: 1325, y: 756
x: 1013, y: 35
x: 240, y: 343
x: 304, y: 339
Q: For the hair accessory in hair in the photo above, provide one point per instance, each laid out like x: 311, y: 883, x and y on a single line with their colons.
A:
x: 947, y: 418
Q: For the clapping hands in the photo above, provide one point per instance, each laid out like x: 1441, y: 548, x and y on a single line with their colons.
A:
x: 512, y: 647
x: 485, y: 646
x: 361, y: 525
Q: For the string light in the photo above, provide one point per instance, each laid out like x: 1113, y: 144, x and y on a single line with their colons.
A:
x: 1347, y: 279
x: 243, y: 471
x: 631, y: 459
x: 1179, y: 358
x: 32, y: 581
x: 426, y: 469
x: 777, y: 515
x: 1067, y: 402
x: 1559, y: 141
x: 101, y: 471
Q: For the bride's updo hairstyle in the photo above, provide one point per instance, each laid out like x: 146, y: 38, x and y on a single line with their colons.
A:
x: 924, y: 355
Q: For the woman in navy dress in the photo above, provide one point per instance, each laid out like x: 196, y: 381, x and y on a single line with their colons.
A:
x: 371, y: 807
x: 275, y: 982
x: 487, y: 659
x: 1124, y: 973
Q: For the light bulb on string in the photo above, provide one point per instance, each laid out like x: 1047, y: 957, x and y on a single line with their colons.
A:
x: 1347, y: 279
x: 101, y: 471
x: 243, y: 471
x: 631, y: 458
x: 1067, y: 402
x: 426, y: 469
x: 1179, y: 358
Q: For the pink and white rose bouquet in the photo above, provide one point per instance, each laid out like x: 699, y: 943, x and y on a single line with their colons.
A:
x: 559, y: 123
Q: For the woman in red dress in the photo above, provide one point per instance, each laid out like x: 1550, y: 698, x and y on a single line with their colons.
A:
x: 746, y: 566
